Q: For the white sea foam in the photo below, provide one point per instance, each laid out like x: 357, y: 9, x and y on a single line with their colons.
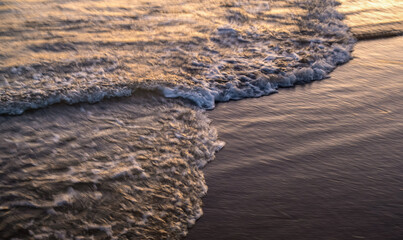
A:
x: 282, y: 66
x: 106, y: 180
x: 246, y: 53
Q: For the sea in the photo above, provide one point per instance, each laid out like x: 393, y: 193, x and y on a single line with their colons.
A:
x: 106, y: 106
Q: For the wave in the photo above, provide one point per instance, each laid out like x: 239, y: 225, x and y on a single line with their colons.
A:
x: 129, y: 169
x: 246, y: 50
x: 373, y: 18
x: 380, y: 30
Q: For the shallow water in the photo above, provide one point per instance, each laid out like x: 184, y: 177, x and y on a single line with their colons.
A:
x: 130, y: 167
x: 206, y: 51
x: 122, y: 169
x: 373, y: 18
x: 321, y: 161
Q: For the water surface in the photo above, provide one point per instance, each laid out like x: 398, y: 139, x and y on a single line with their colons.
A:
x: 321, y: 161
x: 92, y: 146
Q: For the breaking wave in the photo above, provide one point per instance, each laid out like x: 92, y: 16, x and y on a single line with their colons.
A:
x: 205, y: 52
x: 124, y: 170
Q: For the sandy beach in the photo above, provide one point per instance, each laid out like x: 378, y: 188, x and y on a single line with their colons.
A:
x: 318, y: 161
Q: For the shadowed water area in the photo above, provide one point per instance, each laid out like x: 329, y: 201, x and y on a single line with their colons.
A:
x: 321, y: 161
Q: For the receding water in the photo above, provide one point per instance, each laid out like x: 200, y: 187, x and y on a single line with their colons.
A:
x: 129, y: 166
x: 319, y: 161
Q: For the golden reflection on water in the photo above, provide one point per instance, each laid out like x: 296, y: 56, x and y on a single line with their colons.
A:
x: 376, y: 16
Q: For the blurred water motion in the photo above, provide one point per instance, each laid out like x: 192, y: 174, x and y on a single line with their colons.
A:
x: 206, y: 51
x: 130, y: 167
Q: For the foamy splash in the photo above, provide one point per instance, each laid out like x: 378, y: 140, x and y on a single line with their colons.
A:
x: 124, y: 170
x: 207, y: 51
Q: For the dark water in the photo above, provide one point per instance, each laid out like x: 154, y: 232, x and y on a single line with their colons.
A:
x: 321, y: 161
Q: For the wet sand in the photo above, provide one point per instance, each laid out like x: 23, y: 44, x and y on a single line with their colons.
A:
x: 319, y: 161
